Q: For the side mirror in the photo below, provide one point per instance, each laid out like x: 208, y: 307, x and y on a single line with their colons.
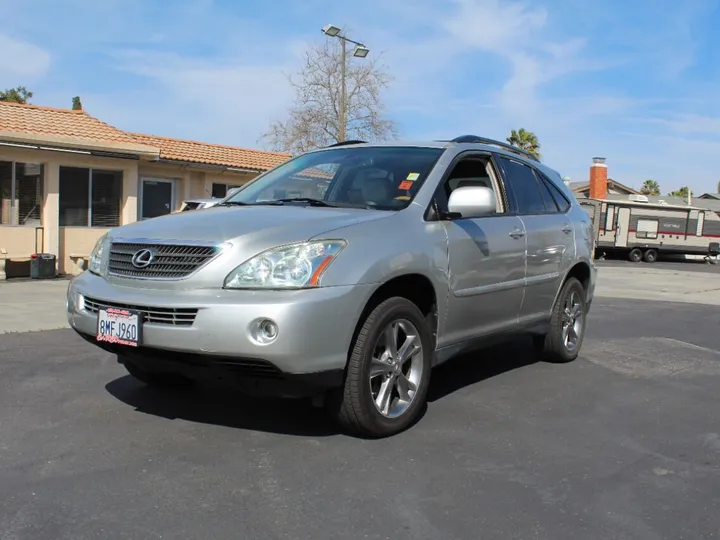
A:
x: 472, y: 201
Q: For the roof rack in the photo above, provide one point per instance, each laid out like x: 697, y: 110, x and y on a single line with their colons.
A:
x: 343, y: 143
x: 493, y: 142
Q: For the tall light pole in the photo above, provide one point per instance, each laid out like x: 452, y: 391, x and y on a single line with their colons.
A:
x: 361, y: 51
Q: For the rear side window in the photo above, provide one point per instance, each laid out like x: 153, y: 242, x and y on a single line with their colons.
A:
x: 560, y: 200
x: 523, y: 184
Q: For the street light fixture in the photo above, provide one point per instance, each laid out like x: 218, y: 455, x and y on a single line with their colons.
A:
x: 361, y: 51
x: 331, y: 30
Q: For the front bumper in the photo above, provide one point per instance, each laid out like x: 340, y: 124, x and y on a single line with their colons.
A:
x: 213, y: 327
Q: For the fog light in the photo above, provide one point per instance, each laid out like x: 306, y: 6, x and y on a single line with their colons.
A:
x: 263, y: 331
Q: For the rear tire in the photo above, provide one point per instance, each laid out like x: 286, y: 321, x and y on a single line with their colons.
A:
x: 635, y: 255
x: 650, y: 256
x: 564, y: 340
x: 155, y: 379
x: 385, y: 386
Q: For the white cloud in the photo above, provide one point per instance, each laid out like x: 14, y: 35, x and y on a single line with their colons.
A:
x: 226, y: 101
x: 689, y: 123
x: 516, y: 31
x: 21, y: 61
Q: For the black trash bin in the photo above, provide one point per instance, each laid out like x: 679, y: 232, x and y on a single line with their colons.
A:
x: 42, y: 266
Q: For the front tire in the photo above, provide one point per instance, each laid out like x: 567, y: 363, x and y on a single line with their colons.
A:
x: 388, y: 371
x: 563, y: 342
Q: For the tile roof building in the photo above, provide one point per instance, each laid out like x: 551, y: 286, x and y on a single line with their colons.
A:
x: 67, y: 177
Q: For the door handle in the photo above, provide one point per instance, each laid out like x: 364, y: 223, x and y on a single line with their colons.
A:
x: 567, y: 228
x: 517, y: 233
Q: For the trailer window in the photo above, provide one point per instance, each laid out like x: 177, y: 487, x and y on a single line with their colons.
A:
x: 610, y: 218
x: 700, y: 224
x: 647, y: 228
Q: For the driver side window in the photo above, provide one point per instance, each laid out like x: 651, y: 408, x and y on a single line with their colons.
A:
x: 474, y: 171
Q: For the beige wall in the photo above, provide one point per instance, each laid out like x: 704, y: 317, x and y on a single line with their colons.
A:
x: 76, y: 243
x: 72, y: 245
x: 18, y: 242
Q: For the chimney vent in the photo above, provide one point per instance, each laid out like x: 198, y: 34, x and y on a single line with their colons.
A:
x: 598, y: 178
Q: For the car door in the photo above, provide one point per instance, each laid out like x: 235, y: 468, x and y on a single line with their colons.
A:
x: 486, y: 260
x: 550, y: 236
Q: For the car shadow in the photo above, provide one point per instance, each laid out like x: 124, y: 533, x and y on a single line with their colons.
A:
x: 299, y: 417
x: 480, y: 365
x: 226, y: 408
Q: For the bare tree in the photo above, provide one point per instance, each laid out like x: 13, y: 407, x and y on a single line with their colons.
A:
x: 337, y: 98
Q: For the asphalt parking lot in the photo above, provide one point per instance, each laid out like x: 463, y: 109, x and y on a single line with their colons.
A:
x: 624, y: 443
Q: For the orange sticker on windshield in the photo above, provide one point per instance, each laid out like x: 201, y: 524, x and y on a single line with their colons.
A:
x: 405, y: 184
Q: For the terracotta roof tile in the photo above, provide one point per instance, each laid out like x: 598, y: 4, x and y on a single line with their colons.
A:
x: 65, y: 123
x: 212, y: 154
x: 65, y: 126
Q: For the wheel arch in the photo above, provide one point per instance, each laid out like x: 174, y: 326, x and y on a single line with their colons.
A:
x: 415, y: 287
x: 582, y: 272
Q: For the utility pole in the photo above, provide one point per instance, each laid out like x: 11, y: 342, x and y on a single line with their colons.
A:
x: 361, y: 51
x: 342, y: 128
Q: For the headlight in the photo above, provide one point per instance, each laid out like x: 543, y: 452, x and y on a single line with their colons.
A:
x: 286, y: 267
x: 99, y: 256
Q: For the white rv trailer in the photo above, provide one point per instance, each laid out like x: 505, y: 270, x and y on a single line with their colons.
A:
x: 642, y: 230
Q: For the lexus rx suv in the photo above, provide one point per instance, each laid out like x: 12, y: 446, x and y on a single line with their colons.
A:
x: 346, y: 274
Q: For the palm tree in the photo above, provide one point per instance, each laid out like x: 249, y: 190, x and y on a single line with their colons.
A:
x: 650, y: 187
x: 525, y: 140
x: 683, y: 192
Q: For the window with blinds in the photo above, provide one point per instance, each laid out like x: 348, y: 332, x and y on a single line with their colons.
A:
x: 6, y: 190
x: 106, y: 189
x: 90, y: 197
x: 29, y: 193
x: 21, y: 193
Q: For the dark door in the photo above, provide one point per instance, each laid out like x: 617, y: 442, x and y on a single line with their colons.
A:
x: 156, y: 198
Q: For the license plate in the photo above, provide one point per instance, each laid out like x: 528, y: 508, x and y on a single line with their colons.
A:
x: 121, y: 326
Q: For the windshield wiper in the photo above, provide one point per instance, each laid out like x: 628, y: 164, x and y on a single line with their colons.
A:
x: 309, y: 200
x: 232, y: 203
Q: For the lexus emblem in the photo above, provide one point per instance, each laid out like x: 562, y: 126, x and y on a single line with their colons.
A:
x: 143, y: 258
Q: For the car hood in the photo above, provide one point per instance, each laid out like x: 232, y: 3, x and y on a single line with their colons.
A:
x: 249, y: 225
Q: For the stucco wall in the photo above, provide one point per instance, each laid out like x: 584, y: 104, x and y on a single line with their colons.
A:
x: 76, y: 243
x: 18, y: 241
x: 191, y: 183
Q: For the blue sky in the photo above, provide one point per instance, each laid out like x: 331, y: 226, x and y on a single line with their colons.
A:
x: 634, y: 81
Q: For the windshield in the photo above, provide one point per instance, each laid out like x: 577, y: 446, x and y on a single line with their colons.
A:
x: 383, y: 178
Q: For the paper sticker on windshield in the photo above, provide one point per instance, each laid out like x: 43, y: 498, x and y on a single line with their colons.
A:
x: 413, y: 176
x: 405, y: 184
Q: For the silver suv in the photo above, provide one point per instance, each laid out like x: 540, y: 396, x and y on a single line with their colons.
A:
x: 346, y: 274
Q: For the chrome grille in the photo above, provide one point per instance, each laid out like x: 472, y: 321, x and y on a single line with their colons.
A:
x: 155, y: 315
x: 171, y: 261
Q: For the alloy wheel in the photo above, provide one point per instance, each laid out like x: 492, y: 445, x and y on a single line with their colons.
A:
x: 396, y: 368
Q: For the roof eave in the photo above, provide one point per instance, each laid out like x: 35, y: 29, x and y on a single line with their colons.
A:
x: 213, y: 166
x: 56, y: 142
